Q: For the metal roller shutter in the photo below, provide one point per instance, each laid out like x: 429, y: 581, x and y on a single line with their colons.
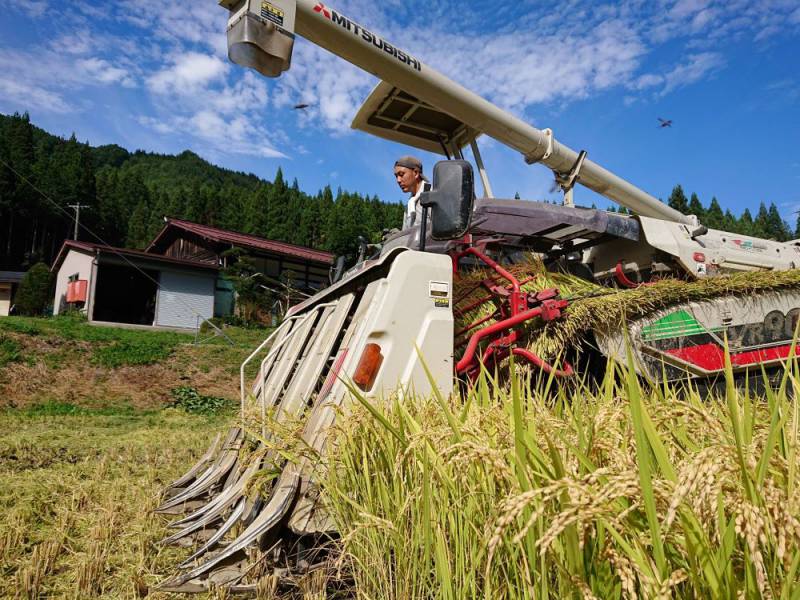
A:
x: 182, y: 297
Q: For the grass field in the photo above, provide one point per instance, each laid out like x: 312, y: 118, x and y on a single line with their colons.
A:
x: 86, y: 444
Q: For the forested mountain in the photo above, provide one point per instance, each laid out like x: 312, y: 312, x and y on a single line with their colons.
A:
x: 129, y: 193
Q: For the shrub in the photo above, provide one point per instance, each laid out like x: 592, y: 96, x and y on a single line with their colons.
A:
x: 33, y: 295
x: 191, y: 401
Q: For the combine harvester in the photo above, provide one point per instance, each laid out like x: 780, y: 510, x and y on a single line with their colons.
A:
x: 370, y: 329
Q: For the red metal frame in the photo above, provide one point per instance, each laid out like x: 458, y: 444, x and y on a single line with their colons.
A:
x: 622, y: 278
x: 515, y: 309
x: 625, y: 281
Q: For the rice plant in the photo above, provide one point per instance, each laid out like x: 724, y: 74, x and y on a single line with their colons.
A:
x: 526, y: 491
x: 76, y: 500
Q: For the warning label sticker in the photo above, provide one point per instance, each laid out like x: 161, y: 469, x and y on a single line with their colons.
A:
x: 272, y: 13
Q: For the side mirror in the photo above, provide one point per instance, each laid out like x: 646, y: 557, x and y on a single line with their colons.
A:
x: 451, y: 199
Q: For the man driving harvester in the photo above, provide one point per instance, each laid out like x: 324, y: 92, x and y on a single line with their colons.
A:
x: 409, y: 176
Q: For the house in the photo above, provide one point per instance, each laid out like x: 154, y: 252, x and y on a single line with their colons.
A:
x: 118, y: 285
x: 176, y: 282
x: 9, y: 281
x: 307, y: 269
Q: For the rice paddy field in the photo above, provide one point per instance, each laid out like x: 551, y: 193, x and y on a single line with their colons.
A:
x: 514, y: 489
x: 76, y: 495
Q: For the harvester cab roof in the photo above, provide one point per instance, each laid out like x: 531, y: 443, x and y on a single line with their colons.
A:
x: 393, y: 114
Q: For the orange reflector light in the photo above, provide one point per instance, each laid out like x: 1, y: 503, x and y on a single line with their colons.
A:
x: 368, y: 367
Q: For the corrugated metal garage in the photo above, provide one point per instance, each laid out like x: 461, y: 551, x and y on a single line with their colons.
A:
x: 182, y: 297
x: 135, y: 288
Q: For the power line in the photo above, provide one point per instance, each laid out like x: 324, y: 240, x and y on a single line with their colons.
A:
x: 110, y: 248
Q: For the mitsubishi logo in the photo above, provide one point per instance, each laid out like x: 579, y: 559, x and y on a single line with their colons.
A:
x: 321, y: 8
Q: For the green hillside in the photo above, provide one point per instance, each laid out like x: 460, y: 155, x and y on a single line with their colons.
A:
x: 129, y: 194
x: 170, y: 173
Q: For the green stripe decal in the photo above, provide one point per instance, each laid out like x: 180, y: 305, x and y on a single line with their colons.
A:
x: 678, y: 324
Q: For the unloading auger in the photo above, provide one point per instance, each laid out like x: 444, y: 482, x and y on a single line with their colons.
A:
x: 368, y: 333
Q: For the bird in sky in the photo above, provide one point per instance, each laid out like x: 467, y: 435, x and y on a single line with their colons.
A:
x: 665, y: 122
x: 301, y: 106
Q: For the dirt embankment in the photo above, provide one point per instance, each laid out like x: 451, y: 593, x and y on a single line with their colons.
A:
x: 45, y: 368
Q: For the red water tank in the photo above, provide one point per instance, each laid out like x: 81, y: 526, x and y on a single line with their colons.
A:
x: 77, y: 291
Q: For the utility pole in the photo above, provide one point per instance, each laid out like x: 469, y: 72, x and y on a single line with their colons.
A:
x: 77, y: 208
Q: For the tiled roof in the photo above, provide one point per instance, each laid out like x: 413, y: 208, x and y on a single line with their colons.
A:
x: 246, y: 241
x: 126, y: 252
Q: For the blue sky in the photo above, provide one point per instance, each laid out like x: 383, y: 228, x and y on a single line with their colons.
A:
x: 153, y: 76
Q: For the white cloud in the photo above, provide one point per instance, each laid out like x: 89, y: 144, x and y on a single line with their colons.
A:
x: 51, y: 76
x: 647, y: 81
x: 688, y: 8
x: 250, y: 93
x: 194, y: 96
x: 703, y: 18
x: 220, y: 136
x: 785, y: 91
x: 518, y: 71
x: 88, y: 8
x: 76, y: 42
x: 156, y: 125
x: 20, y: 95
x: 101, y: 71
x: 696, y: 67
x: 33, y: 8
x: 184, y: 21
x: 187, y: 74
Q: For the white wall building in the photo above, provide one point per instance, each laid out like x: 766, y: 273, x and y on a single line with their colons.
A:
x: 117, y: 285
